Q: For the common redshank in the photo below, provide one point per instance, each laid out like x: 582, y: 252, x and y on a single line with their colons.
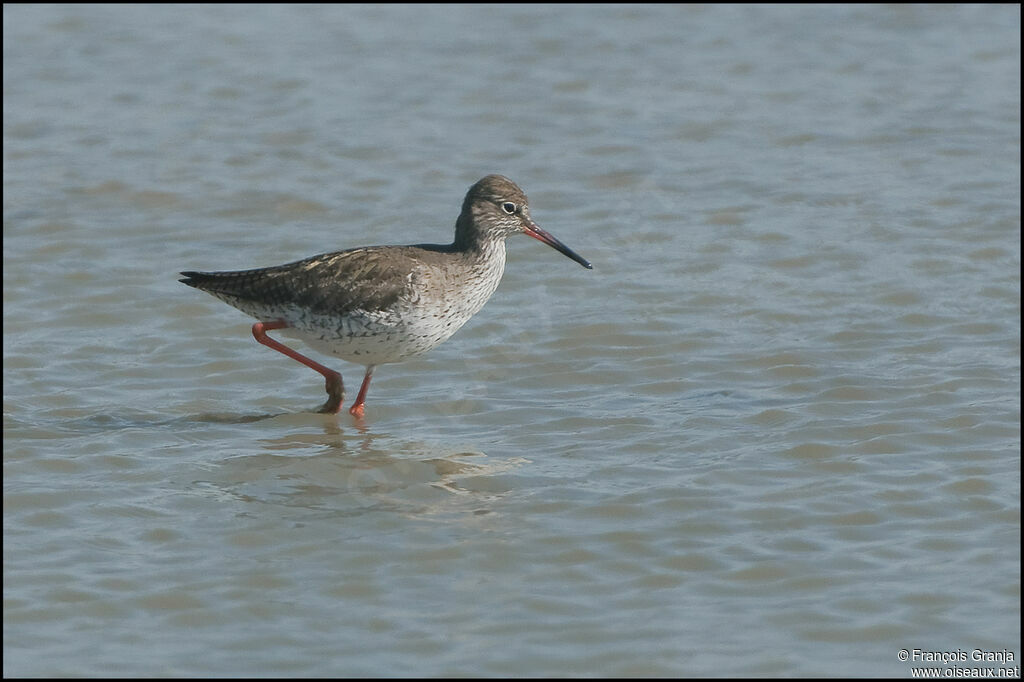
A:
x: 379, y: 304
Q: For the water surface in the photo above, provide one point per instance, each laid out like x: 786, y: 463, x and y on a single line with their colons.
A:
x: 775, y: 431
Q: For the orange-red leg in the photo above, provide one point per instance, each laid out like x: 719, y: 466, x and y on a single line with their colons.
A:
x: 335, y: 387
x: 357, y: 407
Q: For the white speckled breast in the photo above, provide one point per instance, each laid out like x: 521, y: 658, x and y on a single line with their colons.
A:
x: 437, y: 303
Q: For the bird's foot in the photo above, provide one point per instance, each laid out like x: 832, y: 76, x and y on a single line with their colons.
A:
x: 335, y: 395
x: 332, y: 406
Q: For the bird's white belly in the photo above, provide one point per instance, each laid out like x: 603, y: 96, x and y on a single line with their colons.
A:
x: 433, y: 308
x: 411, y: 328
x: 374, y: 340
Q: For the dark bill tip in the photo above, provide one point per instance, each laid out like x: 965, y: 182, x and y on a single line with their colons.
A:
x: 551, y: 241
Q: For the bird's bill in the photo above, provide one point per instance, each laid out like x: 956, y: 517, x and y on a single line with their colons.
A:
x: 549, y: 239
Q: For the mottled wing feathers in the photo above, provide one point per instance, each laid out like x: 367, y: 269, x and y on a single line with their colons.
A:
x: 334, y: 283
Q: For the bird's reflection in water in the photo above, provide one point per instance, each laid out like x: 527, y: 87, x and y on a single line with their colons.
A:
x: 350, y: 470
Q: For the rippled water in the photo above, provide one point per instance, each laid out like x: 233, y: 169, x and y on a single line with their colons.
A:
x: 775, y: 431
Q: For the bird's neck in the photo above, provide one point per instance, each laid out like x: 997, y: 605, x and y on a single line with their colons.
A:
x: 476, y: 244
x: 466, y: 235
x: 486, y: 256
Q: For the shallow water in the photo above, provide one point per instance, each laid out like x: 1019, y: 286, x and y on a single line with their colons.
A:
x: 775, y: 431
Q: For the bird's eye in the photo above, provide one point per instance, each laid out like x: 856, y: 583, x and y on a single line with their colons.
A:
x: 508, y: 207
